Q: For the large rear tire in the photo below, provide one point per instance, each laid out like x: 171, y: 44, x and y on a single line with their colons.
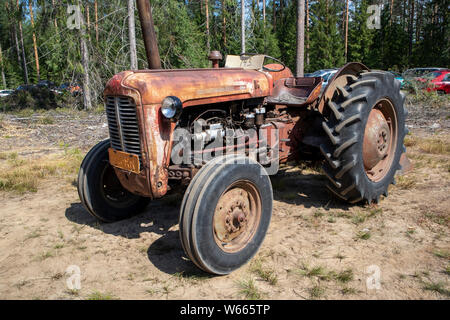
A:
x: 100, y: 190
x: 365, y: 124
x: 225, y: 214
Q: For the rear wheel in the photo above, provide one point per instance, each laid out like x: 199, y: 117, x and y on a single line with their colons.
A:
x: 365, y: 124
x: 100, y: 190
x: 225, y: 214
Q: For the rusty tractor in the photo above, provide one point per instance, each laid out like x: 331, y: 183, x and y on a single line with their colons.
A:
x: 218, y: 133
x: 208, y: 129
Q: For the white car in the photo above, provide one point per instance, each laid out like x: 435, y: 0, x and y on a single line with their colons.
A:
x: 5, y: 93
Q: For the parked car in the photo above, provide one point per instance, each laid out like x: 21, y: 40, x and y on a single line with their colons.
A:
x: 26, y: 87
x: 325, y: 74
x: 50, y: 85
x: 418, y: 72
x: 73, y: 88
x: 5, y: 93
x: 399, y: 77
x: 438, y: 81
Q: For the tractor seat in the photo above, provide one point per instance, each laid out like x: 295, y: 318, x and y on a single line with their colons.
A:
x: 295, y: 91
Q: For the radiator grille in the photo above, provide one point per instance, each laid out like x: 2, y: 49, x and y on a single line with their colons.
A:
x: 123, y: 125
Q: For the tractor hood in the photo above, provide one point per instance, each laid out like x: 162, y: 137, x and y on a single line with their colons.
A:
x: 191, y: 86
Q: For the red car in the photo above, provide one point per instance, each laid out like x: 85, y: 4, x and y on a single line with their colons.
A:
x: 437, y: 81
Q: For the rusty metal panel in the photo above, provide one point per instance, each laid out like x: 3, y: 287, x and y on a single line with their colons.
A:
x: 205, y: 85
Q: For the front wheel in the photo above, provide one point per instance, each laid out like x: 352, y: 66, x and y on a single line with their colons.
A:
x: 225, y: 214
x: 100, y: 190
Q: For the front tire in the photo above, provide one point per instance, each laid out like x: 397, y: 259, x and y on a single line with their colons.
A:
x: 225, y: 214
x: 100, y: 190
x: 365, y: 126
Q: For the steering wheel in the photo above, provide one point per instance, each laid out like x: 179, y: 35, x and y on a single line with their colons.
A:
x: 266, y: 57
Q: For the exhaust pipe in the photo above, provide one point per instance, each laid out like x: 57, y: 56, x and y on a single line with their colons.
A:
x: 148, y: 32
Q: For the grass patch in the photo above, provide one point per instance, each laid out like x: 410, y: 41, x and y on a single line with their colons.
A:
x: 73, y: 292
x: 249, y: 290
x: 8, y: 155
x: 440, y: 219
x: 348, y: 291
x: 445, y: 254
x: 405, y: 182
x: 48, y: 119
x: 191, y: 278
x: 447, y: 270
x: 363, y: 235
x: 316, y: 292
x: 97, y: 295
x: 434, y: 146
x: 345, y: 276
x: 24, y: 175
x: 266, y: 274
x: 438, y: 287
x: 318, y: 214
x: 44, y: 255
x: 33, y: 234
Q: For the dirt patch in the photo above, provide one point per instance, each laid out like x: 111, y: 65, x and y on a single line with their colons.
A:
x: 316, y: 247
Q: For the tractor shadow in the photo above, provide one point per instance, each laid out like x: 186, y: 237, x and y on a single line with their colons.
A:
x: 291, y: 185
x: 165, y: 253
x: 304, y: 187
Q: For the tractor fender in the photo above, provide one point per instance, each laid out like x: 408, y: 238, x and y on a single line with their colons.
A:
x: 351, y: 68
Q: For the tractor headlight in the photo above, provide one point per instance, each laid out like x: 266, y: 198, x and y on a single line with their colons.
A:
x: 171, y: 108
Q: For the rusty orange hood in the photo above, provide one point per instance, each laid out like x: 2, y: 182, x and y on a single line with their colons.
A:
x: 191, y: 86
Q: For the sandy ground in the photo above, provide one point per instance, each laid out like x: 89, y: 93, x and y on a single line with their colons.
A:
x: 316, y: 247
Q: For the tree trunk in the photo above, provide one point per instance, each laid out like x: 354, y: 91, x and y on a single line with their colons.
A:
x: 419, y: 20
x: 96, y: 19
x: 307, y: 32
x: 14, y: 33
x: 264, y: 13
x: 24, y: 57
x: 55, y: 22
x: 87, y: 17
x: 242, y: 26
x: 149, y: 35
x: 392, y: 9
x: 346, y: 30
x: 132, y: 36
x: 300, y: 37
x: 85, y: 63
x: 274, y: 17
x: 224, y: 26
x: 411, y: 27
x: 208, y: 45
x: 36, y: 56
x: 3, y: 71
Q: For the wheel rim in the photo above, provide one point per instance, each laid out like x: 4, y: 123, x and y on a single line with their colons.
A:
x: 112, y: 190
x: 237, y: 216
x: 380, y: 140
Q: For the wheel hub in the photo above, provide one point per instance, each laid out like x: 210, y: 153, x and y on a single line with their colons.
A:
x: 379, y: 140
x: 236, y: 217
x: 231, y: 214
